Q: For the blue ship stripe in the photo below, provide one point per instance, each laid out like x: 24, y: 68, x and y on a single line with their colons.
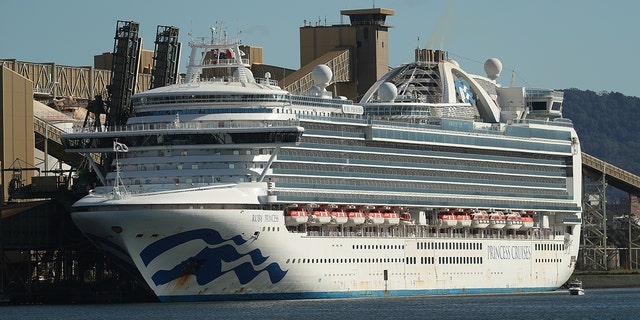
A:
x: 347, y: 294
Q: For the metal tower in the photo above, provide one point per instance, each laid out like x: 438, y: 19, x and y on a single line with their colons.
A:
x: 166, y: 59
x: 594, y: 234
x: 126, y: 53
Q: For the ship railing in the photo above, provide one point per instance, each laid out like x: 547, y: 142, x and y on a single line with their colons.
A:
x: 543, y: 93
x: 177, y: 125
x: 222, y: 62
x: 334, y: 119
x: 423, y: 232
x: 264, y: 81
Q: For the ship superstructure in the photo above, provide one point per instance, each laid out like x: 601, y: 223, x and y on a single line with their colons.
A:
x: 436, y: 182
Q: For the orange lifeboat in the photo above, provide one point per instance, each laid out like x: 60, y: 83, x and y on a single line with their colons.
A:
x: 375, y: 217
x: 480, y: 219
x: 496, y: 220
x: 319, y: 216
x: 338, y: 216
x: 463, y: 218
x: 355, y: 216
x: 447, y: 219
x: 295, y: 216
x: 405, y: 218
x: 513, y: 221
x: 391, y: 218
x: 527, y: 219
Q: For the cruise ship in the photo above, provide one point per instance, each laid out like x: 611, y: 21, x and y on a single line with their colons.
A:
x: 437, y: 182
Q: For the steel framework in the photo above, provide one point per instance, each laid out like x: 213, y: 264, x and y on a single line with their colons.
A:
x: 166, y: 59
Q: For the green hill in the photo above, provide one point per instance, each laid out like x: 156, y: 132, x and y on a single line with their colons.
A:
x: 607, y: 124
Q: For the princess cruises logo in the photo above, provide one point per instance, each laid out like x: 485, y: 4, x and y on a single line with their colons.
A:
x: 217, y: 257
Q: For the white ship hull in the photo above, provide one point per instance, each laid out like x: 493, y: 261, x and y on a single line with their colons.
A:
x: 192, y: 254
x: 200, y: 203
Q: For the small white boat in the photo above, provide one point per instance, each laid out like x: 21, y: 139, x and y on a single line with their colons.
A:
x: 575, y: 288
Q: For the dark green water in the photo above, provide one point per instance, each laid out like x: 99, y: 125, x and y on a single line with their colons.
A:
x: 596, y: 304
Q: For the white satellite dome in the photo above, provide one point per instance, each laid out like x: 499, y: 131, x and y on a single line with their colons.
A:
x: 315, y: 91
x: 493, y: 67
x: 321, y: 75
x: 387, y: 92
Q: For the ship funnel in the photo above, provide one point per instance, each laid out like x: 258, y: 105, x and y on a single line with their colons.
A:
x: 430, y: 55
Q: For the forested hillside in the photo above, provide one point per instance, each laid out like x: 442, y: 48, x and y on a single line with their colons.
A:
x: 607, y: 124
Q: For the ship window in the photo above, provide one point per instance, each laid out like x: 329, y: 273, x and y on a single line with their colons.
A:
x: 539, y: 105
x: 194, y: 167
x: 232, y: 165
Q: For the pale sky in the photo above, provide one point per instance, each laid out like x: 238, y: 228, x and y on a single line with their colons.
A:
x: 557, y: 44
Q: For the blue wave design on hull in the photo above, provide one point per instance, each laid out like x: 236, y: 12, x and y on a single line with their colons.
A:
x: 207, y: 264
x: 209, y: 236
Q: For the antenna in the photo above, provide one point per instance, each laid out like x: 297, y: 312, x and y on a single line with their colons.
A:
x: 513, y: 76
